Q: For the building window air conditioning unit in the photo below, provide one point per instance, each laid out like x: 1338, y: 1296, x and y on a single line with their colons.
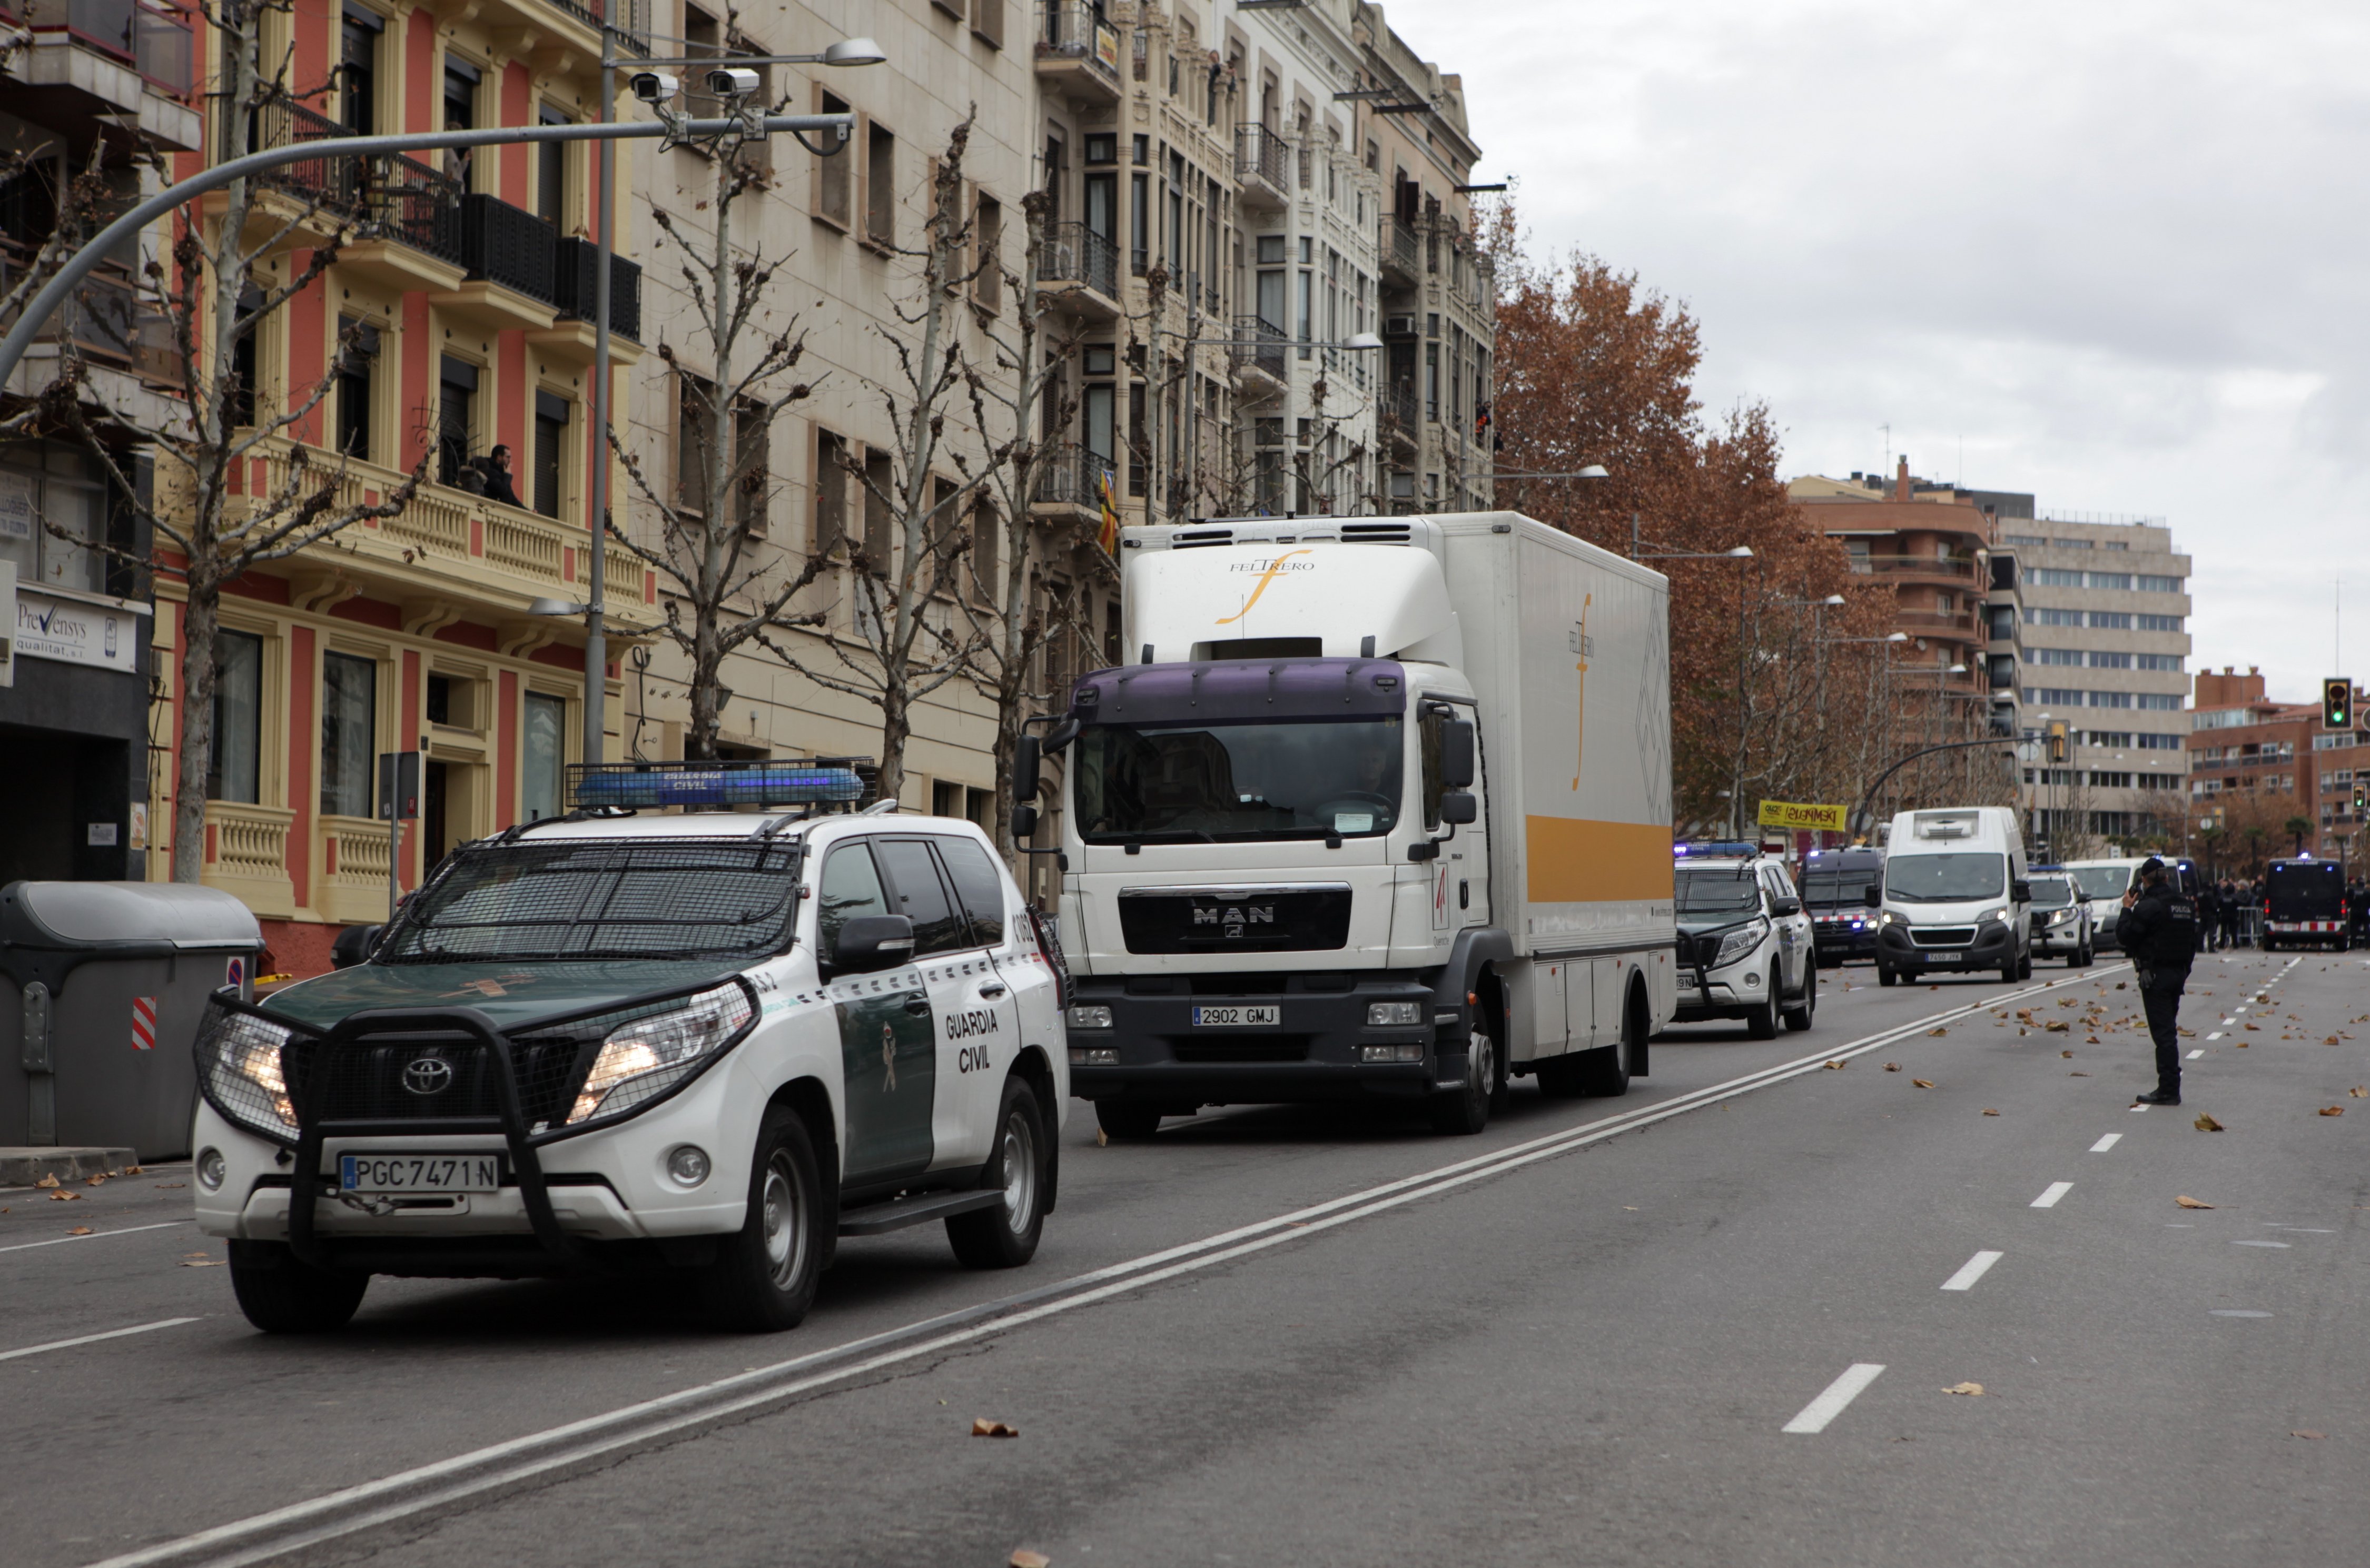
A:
x: 1398, y: 327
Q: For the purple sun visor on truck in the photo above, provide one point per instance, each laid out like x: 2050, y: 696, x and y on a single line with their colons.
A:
x: 1234, y: 690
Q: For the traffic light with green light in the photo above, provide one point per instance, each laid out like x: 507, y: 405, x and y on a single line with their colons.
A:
x: 2337, y: 702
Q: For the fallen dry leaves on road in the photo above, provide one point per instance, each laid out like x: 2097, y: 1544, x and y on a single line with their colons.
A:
x: 2077, y: 1075
x: 2067, y: 1055
x: 2206, y: 1124
x: 2057, y: 1025
x: 2187, y: 1202
x: 1834, y: 1065
x: 79, y: 1230
x: 981, y: 1426
x: 1991, y: 1113
x: 47, y: 1181
x: 2359, y: 1092
x: 1923, y: 1082
x: 2315, y: 1436
x: 1893, y: 1067
x: 1937, y: 1031
x: 1974, y: 1388
x: 1024, y: 1557
x: 2332, y: 1110
x: 65, y: 1197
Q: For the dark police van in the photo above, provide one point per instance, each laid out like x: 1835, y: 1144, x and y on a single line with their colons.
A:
x: 1835, y: 894
x: 2304, y: 905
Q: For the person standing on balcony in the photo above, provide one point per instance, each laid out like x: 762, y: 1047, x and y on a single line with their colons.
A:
x: 498, y: 477
x: 457, y: 159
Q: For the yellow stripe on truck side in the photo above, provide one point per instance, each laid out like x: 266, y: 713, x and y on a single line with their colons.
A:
x: 1574, y: 862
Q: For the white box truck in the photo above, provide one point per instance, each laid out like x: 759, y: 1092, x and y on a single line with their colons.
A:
x: 1379, y: 807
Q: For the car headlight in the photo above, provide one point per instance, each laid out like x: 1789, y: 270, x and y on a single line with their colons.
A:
x: 238, y: 1063
x: 1889, y: 918
x: 1740, y: 943
x: 644, y: 1058
x: 2061, y: 917
x: 1989, y: 915
x: 1090, y: 1018
x: 1386, y: 1014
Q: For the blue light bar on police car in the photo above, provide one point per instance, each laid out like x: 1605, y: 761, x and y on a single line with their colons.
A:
x: 751, y: 784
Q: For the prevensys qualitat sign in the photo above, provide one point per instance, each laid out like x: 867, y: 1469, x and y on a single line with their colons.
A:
x: 1798, y: 816
x: 72, y: 631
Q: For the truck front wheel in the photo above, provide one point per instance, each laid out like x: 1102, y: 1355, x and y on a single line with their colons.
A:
x: 764, y: 1278
x: 281, y: 1293
x: 1465, y: 1111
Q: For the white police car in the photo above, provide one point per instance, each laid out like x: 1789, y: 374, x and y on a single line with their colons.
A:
x: 713, y: 1043
x: 1745, y: 946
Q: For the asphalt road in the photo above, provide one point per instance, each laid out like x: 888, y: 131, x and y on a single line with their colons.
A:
x: 1579, y: 1338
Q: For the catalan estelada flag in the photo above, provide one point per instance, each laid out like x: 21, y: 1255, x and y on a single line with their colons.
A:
x: 1109, y: 539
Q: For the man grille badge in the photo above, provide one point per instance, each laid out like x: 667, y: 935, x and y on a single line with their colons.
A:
x: 889, y: 1057
x: 428, y: 1075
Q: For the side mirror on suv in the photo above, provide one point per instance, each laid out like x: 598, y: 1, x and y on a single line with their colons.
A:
x: 1782, y: 907
x: 872, y: 942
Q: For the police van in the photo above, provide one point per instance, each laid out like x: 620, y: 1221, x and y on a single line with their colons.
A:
x: 2305, y: 905
x: 712, y: 1042
x: 1746, y: 947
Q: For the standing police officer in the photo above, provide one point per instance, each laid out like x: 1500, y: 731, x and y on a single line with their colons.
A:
x: 2158, y: 929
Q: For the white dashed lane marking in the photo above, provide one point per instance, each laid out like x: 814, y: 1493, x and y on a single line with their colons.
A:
x: 1974, y: 1268
x: 1839, y: 1395
x: 2106, y: 1143
x: 2049, y: 1196
x: 174, y: 1322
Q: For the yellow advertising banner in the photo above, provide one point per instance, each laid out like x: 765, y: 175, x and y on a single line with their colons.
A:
x: 1791, y: 814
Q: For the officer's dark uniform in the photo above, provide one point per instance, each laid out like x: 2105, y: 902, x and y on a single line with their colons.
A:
x: 2160, y: 932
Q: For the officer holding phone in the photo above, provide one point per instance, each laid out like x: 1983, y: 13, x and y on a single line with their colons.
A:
x: 2158, y: 929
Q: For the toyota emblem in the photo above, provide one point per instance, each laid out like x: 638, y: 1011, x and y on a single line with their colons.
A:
x: 428, y: 1075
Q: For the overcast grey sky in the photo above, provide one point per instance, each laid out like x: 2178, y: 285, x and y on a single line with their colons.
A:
x: 2113, y: 253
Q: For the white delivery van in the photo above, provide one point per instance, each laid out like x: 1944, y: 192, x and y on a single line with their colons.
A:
x: 1954, y: 895
x: 1379, y: 807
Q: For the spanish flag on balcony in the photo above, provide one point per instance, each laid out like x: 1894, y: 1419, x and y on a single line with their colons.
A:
x: 1109, y: 538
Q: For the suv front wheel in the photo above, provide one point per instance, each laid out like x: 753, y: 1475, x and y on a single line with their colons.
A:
x: 1004, y: 1236
x: 763, y: 1276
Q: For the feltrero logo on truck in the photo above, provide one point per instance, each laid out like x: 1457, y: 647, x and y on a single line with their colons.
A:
x: 1269, y: 569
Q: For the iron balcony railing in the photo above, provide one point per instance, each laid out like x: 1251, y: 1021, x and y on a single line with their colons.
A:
x: 1398, y: 408
x: 1259, y: 345
x: 575, y: 273
x: 386, y: 194
x: 1074, y: 32
x: 1074, y: 253
x: 1069, y: 475
x: 1398, y: 248
x: 633, y: 24
x: 1261, y: 155
x: 508, y: 245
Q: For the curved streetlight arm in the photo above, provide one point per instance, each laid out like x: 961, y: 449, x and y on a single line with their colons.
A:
x: 2009, y: 743
x: 78, y: 266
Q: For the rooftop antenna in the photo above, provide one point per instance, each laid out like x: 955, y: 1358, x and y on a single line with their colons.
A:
x: 1887, y: 428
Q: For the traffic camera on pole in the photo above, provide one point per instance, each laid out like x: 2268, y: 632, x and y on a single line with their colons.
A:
x: 2337, y: 702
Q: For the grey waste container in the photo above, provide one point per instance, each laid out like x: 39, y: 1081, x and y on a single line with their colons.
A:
x: 101, y: 988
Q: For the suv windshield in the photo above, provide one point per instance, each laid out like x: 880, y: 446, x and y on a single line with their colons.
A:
x: 1828, y: 889
x: 2052, y: 892
x: 602, y: 899
x: 1945, y: 878
x: 1707, y: 891
x: 1300, y: 779
x: 2103, y: 881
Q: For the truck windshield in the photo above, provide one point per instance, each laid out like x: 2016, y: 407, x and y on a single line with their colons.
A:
x: 2052, y: 892
x: 1709, y: 892
x: 2304, y: 892
x: 1297, y: 779
x: 602, y: 899
x: 1945, y: 878
x: 2102, y: 881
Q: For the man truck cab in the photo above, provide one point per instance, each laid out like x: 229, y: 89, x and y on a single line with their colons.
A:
x: 1953, y: 894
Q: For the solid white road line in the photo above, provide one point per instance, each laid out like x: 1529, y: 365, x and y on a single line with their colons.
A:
x: 2106, y: 1143
x: 2055, y: 1190
x: 1974, y: 1268
x: 501, y: 1467
x: 1839, y: 1393
x: 95, y: 1235
x: 95, y: 1338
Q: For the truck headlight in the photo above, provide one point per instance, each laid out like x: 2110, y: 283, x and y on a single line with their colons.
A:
x: 1888, y: 917
x: 1090, y: 1018
x: 1739, y: 943
x: 1393, y: 1014
x: 642, y: 1060
x: 238, y: 1063
x: 1991, y: 915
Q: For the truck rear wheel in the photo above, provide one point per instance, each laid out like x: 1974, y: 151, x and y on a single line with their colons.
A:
x: 764, y: 1278
x: 1005, y: 1236
x: 1461, y: 1112
x: 281, y: 1293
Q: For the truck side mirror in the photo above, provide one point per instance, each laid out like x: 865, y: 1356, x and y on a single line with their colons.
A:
x: 1459, y: 807
x: 872, y: 942
x: 2019, y: 892
x: 1456, y: 754
x: 1027, y: 775
x: 1872, y: 895
x: 1024, y: 822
